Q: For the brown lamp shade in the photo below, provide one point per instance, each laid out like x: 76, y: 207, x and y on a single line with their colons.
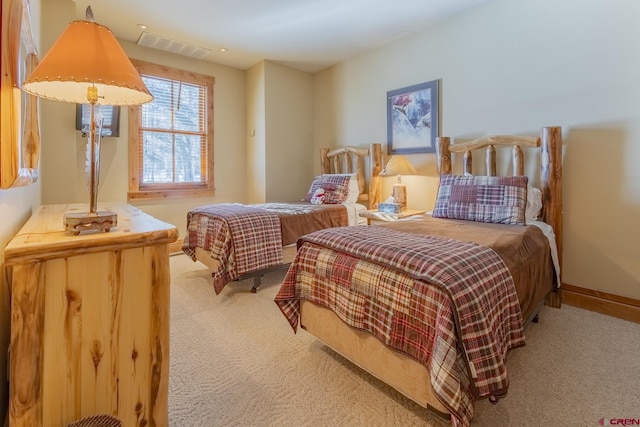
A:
x: 398, y: 165
x: 87, y: 54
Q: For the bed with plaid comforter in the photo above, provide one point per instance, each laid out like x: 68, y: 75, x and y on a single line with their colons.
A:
x: 242, y: 237
x: 248, y: 238
x: 449, y: 304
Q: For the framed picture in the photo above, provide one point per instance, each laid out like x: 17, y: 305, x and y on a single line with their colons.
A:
x: 412, y: 119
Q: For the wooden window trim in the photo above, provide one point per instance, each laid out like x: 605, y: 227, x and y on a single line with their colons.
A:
x: 136, y: 192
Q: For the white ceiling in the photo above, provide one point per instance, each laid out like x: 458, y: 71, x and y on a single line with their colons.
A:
x: 305, y: 34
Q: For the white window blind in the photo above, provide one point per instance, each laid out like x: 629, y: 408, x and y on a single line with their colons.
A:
x: 173, y: 133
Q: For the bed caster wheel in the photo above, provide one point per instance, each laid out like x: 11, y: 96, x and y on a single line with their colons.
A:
x: 257, y: 281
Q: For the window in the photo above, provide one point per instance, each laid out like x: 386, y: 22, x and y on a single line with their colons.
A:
x: 171, y: 137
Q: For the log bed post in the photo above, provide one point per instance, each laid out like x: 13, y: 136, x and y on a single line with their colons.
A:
x: 518, y: 160
x: 551, y: 183
x: 490, y: 159
x: 325, y: 167
x: 443, y: 155
x: 375, y: 167
x: 467, y: 161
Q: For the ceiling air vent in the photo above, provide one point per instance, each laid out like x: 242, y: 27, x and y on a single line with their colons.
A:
x: 163, y: 43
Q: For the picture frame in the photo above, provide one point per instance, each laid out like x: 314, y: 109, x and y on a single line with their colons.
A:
x: 412, y: 119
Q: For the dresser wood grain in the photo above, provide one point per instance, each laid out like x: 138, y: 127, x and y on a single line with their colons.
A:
x: 89, y: 320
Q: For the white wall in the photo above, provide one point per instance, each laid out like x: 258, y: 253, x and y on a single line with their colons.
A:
x: 512, y: 67
x: 289, y: 136
x: 58, y: 172
x: 256, y: 134
x: 279, y: 133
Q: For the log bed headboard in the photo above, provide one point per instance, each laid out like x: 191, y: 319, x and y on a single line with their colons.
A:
x: 550, y: 176
x: 352, y: 160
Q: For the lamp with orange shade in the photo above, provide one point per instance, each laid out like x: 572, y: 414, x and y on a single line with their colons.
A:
x: 87, y: 65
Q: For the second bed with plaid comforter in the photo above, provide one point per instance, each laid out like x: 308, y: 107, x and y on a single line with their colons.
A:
x: 449, y: 304
x: 249, y: 238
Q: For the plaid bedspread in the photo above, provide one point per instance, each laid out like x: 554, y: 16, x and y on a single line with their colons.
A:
x: 242, y: 238
x: 418, y: 294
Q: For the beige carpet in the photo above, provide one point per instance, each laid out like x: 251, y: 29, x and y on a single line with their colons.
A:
x: 236, y: 362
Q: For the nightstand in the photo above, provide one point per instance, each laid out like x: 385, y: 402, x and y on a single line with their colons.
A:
x: 89, y: 318
x: 375, y: 215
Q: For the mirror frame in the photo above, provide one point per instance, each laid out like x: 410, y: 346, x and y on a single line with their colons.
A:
x: 19, y: 115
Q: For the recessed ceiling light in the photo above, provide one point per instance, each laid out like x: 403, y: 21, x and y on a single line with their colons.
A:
x: 223, y: 49
x: 142, y: 26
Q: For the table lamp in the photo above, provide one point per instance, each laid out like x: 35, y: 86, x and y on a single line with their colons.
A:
x: 399, y: 165
x: 87, y: 65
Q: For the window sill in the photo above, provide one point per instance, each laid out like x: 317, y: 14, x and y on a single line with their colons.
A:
x: 169, y: 194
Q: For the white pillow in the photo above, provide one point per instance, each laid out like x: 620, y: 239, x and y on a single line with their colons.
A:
x: 534, y: 203
x: 354, y: 188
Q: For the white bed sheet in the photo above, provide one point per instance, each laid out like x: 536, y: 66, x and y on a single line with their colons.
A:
x: 352, y: 212
x: 551, y: 236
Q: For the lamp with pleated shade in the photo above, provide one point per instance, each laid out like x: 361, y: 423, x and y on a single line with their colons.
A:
x: 87, y: 65
x: 399, y: 165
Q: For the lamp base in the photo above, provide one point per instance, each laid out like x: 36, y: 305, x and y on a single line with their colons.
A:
x: 399, y: 194
x: 84, y: 221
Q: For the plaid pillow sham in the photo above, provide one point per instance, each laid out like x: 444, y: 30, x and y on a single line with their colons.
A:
x: 336, y: 188
x: 353, y: 192
x: 496, y: 199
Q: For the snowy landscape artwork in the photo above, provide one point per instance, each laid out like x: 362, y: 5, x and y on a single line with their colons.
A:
x: 412, y: 119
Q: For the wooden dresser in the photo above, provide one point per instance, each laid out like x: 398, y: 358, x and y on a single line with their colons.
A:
x: 89, y: 320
